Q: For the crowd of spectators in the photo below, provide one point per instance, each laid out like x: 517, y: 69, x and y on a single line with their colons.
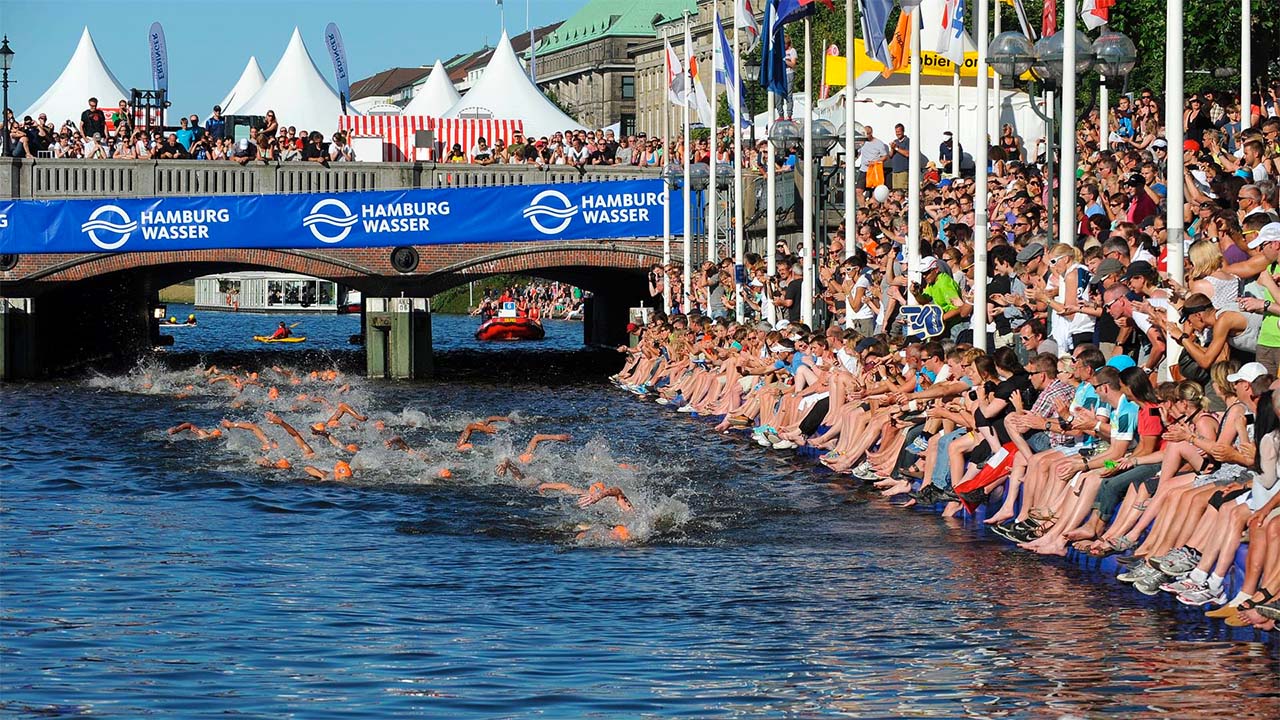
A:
x: 1119, y: 411
x: 538, y: 300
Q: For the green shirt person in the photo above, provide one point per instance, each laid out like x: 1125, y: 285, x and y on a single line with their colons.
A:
x: 941, y: 288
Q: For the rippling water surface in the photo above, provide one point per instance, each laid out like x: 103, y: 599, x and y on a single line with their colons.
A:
x: 147, y: 575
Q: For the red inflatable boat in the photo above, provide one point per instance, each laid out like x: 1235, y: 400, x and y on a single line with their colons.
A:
x: 510, y: 328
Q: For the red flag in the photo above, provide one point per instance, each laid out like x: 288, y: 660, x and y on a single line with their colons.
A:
x: 1049, y: 18
x: 830, y: 5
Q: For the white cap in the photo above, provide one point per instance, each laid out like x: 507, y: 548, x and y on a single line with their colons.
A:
x: 1250, y: 372
x: 1160, y: 143
x: 928, y: 263
x: 1269, y: 233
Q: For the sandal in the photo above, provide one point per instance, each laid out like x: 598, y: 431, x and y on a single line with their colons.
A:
x: 1114, y: 546
x: 1042, y: 515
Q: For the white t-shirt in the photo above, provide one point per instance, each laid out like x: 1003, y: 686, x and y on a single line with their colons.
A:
x: 865, y: 312
x: 873, y: 150
x: 1143, y: 320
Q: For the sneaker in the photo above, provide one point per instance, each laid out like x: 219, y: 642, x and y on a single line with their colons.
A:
x: 1177, y: 587
x: 1150, y: 587
x: 863, y: 467
x: 918, y: 446
x: 784, y: 444
x: 1180, y: 565
x: 1138, y: 572
x: 767, y: 440
x: 663, y: 401
x: 685, y: 409
x: 868, y: 474
x: 1202, y: 595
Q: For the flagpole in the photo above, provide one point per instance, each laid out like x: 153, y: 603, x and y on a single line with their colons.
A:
x: 739, y: 232
x: 850, y: 147
x: 1104, y: 109
x: 1067, y: 171
x: 955, y: 116
x: 913, y: 167
x: 712, y: 215
x: 981, y: 230
x: 688, y: 199
x: 1174, y: 136
x: 806, y: 301
x: 995, y: 82
x: 666, y: 187
x: 771, y: 210
x: 1246, y: 63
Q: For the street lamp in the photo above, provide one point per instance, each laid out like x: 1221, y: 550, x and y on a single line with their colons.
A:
x: 6, y: 62
x: 1011, y: 55
x: 785, y: 135
x: 1049, y: 54
x: 825, y: 137
x: 673, y: 175
x: 1115, y: 57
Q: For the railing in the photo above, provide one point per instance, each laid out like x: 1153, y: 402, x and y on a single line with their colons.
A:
x: 47, y: 179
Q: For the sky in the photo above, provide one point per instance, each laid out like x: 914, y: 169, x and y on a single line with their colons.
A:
x: 210, y: 41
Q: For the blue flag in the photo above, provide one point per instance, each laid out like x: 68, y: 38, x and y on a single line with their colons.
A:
x: 727, y: 74
x: 773, y: 67
x: 875, y: 13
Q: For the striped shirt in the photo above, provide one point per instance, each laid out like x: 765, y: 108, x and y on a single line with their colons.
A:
x: 1046, y: 405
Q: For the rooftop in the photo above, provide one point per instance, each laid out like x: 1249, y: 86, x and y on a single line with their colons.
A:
x: 612, y: 18
x: 387, y: 82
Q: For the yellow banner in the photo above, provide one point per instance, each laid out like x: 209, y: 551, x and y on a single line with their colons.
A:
x: 931, y: 63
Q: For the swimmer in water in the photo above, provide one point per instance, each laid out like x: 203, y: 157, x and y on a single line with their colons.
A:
x: 527, y: 456
x: 267, y: 443
x: 320, y: 429
x: 592, y: 495
x: 341, y: 472
x: 507, y: 466
x: 484, y: 426
x: 306, y: 448
x: 200, y: 434
x: 344, y: 409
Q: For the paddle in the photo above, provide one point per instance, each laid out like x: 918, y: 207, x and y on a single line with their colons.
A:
x: 295, y: 325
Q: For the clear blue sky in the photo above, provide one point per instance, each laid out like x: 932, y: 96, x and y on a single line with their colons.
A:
x: 211, y: 40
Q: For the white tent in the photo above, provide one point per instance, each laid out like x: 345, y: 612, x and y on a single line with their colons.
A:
x: 436, y: 95
x: 86, y: 75
x: 504, y: 91
x: 250, y: 82
x: 297, y: 93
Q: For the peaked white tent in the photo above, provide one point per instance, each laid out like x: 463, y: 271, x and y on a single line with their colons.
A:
x: 250, y: 82
x: 297, y: 93
x: 86, y: 75
x: 504, y: 91
x: 436, y: 96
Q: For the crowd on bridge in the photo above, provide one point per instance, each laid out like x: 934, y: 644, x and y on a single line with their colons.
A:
x: 1119, y: 411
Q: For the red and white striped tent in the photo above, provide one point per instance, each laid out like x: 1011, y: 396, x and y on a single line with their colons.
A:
x: 398, y: 133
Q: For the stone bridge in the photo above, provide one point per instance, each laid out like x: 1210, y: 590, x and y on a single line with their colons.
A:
x: 103, y: 299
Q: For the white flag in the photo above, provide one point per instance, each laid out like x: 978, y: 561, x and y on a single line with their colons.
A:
x: 675, y: 77
x: 745, y: 19
x: 951, y: 39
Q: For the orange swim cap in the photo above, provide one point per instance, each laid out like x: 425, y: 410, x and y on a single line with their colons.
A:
x: 216, y: 432
x: 444, y: 473
x: 318, y: 427
x: 379, y: 425
x: 283, y: 464
x: 353, y: 448
x: 625, y: 466
x: 342, y: 471
x: 596, y: 486
x: 620, y: 533
x: 273, y: 393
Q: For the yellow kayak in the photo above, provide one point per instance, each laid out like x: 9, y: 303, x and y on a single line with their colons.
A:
x: 269, y: 339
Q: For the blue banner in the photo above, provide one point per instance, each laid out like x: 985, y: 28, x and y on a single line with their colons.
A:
x: 517, y: 213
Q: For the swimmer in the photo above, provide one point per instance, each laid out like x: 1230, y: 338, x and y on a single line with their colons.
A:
x: 229, y: 379
x: 320, y: 429
x: 275, y: 419
x: 395, y: 442
x: 279, y: 464
x: 592, y: 495
x: 618, y: 533
x: 527, y: 456
x: 484, y: 426
x: 344, y: 409
x: 267, y: 443
x: 341, y: 472
x: 200, y: 434
x: 507, y: 466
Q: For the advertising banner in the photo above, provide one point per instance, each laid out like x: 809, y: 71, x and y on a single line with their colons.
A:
x: 159, y: 57
x: 520, y: 213
x: 338, y: 54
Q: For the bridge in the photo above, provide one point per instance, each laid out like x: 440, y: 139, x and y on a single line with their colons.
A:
x: 56, y: 309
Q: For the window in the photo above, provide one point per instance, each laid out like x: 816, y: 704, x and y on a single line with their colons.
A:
x: 628, y: 123
x: 628, y: 87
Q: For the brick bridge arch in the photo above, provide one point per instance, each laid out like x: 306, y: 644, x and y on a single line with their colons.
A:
x: 365, y: 269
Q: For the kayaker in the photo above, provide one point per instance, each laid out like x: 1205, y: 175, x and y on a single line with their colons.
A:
x: 281, y: 332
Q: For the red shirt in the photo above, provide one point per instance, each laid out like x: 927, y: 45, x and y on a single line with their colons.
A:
x: 1150, y: 423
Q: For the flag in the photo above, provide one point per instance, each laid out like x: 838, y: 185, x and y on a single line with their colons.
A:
x: 790, y: 11
x: 1096, y: 13
x: 159, y: 58
x: 745, y: 19
x: 1021, y: 11
x: 700, y: 102
x: 675, y: 76
x: 900, y: 47
x: 829, y: 3
x: 1049, y: 18
x: 338, y: 53
x: 875, y: 13
x: 951, y: 39
x: 823, y: 91
x: 773, y: 66
x: 727, y: 74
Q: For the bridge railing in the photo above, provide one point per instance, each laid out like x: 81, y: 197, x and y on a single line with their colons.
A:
x: 46, y: 179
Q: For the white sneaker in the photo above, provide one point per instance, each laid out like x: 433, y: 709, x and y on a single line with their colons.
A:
x: 685, y: 409
x: 784, y: 444
x: 1177, y: 587
x: 1203, y: 595
x: 663, y: 401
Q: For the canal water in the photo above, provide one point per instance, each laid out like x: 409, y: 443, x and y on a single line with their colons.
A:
x: 148, y: 575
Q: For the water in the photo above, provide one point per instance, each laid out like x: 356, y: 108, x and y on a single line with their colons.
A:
x: 147, y: 575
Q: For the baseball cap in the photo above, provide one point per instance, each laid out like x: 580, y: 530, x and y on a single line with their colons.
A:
x: 633, y: 328
x: 1249, y: 372
x: 928, y: 263
x: 1030, y: 252
x: 1121, y: 362
x: 1139, y: 268
x: 1160, y: 144
x: 1190, y: 146
x: 1109, y: 266
x: 1269, y: 233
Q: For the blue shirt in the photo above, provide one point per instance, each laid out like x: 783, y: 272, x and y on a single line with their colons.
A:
x: 1124, y: 422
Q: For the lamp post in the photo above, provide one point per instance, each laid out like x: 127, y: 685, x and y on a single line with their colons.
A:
x: 1050, y: 66
x: 784, y: 136
x: 6, y: 62
x: 672, y: 176
x: 1115, y: 56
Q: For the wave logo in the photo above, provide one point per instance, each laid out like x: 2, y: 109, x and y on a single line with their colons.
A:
x: 341, y: 218
x: 560, y: 208
x: 100, y: 221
